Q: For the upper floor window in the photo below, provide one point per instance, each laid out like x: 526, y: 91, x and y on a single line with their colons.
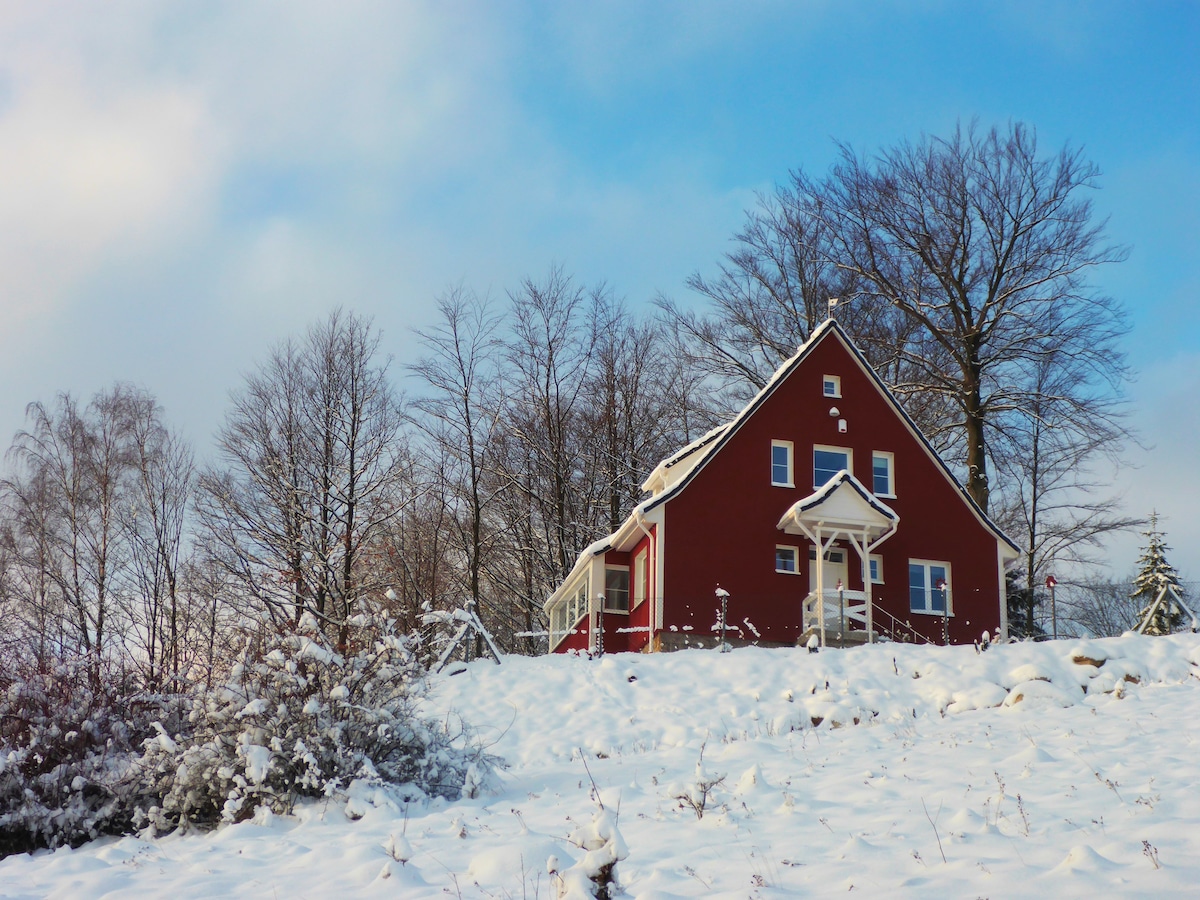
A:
x: 832, y: 385
x: 616, y: 589
x: 928, y: 586
x: 828, y: 461
x: 781, y: 463
x: 883, y: 479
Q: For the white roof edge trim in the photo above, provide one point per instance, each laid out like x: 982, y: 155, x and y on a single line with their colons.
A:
x: 823, y: 493
x: 660, y: 471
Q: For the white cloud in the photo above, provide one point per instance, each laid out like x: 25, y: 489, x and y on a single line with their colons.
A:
x: 91, y: 177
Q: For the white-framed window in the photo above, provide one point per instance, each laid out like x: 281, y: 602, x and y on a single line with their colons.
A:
x: 875, y: 564
x: 831, y: 385
x: 828, y: 461
x: 781, y: 464
x: 929, y: 586
x: 787, y: 559
x: 835, y: 556
x: 565, y: 615
x: 558, y: 623
x: 577, y: 606
x: 616, y: 589
x: 639, y: 579
x: 883, y: 473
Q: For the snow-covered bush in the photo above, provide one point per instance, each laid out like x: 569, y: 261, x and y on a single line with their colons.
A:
x: 68, y: 755
x: 297, y: 719
x: 594, y: 875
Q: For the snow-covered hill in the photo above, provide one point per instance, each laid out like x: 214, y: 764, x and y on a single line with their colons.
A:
x: 1064, y: 768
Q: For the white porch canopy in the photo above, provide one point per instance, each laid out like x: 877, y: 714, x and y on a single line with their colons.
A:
x: 842, y: 510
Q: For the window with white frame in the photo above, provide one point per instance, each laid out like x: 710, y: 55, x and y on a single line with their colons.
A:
x: 565, y: 615
x: 558, y: 622
x: 875, y: 564
x: 639, y: 579
x: 787, y: 559
x: 781, y: 464
x: 929, y: 586
x: 616, y: 589
x: 577, y: 606
x: 837, y: 557
x: 832, y: 385
x: 883, y: 473
x: 828, y: 461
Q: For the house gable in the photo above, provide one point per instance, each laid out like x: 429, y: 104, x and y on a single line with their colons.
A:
x: 699, y: 452
x: 722, y: 517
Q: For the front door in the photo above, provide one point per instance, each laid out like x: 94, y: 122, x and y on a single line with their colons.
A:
x: 835, y: 569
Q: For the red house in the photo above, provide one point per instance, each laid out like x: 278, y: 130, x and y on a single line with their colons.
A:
x: 822, y: 462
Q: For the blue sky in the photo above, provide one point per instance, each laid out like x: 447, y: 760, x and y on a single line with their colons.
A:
x: 183, y: 185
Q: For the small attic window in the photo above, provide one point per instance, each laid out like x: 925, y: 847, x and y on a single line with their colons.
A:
x: 832, y: 385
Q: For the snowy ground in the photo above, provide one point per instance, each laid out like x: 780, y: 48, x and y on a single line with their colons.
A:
x: 1016, y: 772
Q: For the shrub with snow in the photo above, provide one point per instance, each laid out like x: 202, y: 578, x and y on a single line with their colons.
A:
x: 68, y: 756
x: 301, y: 720
x: 594, y: 875
x: 295, y: 719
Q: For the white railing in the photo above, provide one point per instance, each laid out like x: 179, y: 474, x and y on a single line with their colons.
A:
x: 898, y: 629
x: 844, y: 610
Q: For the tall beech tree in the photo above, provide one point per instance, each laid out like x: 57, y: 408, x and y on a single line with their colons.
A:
x: 989, y: 247
x: 963, y: 264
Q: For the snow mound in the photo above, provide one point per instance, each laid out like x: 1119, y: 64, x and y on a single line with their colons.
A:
x: 531, y: 710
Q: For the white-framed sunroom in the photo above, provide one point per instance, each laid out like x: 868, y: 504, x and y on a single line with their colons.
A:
x: 568, y: 611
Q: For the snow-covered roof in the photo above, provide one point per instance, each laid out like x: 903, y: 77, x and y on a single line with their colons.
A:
x: 842, y: 501
x: 672, y: 468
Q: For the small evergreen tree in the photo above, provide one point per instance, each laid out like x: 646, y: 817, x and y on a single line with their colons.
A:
x: 1154, y: 574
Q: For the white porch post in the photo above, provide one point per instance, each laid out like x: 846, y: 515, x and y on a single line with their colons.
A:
x: 864, y: 555
x: 822, y: 549
x: 820, y: 584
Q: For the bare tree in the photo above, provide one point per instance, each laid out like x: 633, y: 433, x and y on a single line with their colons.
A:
x: 962, y: 264
x: 770, y: 292
x: 311, y: 449
x: 64, y: 498
x: 1054, y: 502
x: 1097, y: 607
x: 94, y: 519
x: 629, y: 422
x: 989, y: 247
x: 460, y: 404
x: 154, y: 514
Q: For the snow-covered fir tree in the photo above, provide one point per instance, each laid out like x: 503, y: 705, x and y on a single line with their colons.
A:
x: 1154, y: 574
